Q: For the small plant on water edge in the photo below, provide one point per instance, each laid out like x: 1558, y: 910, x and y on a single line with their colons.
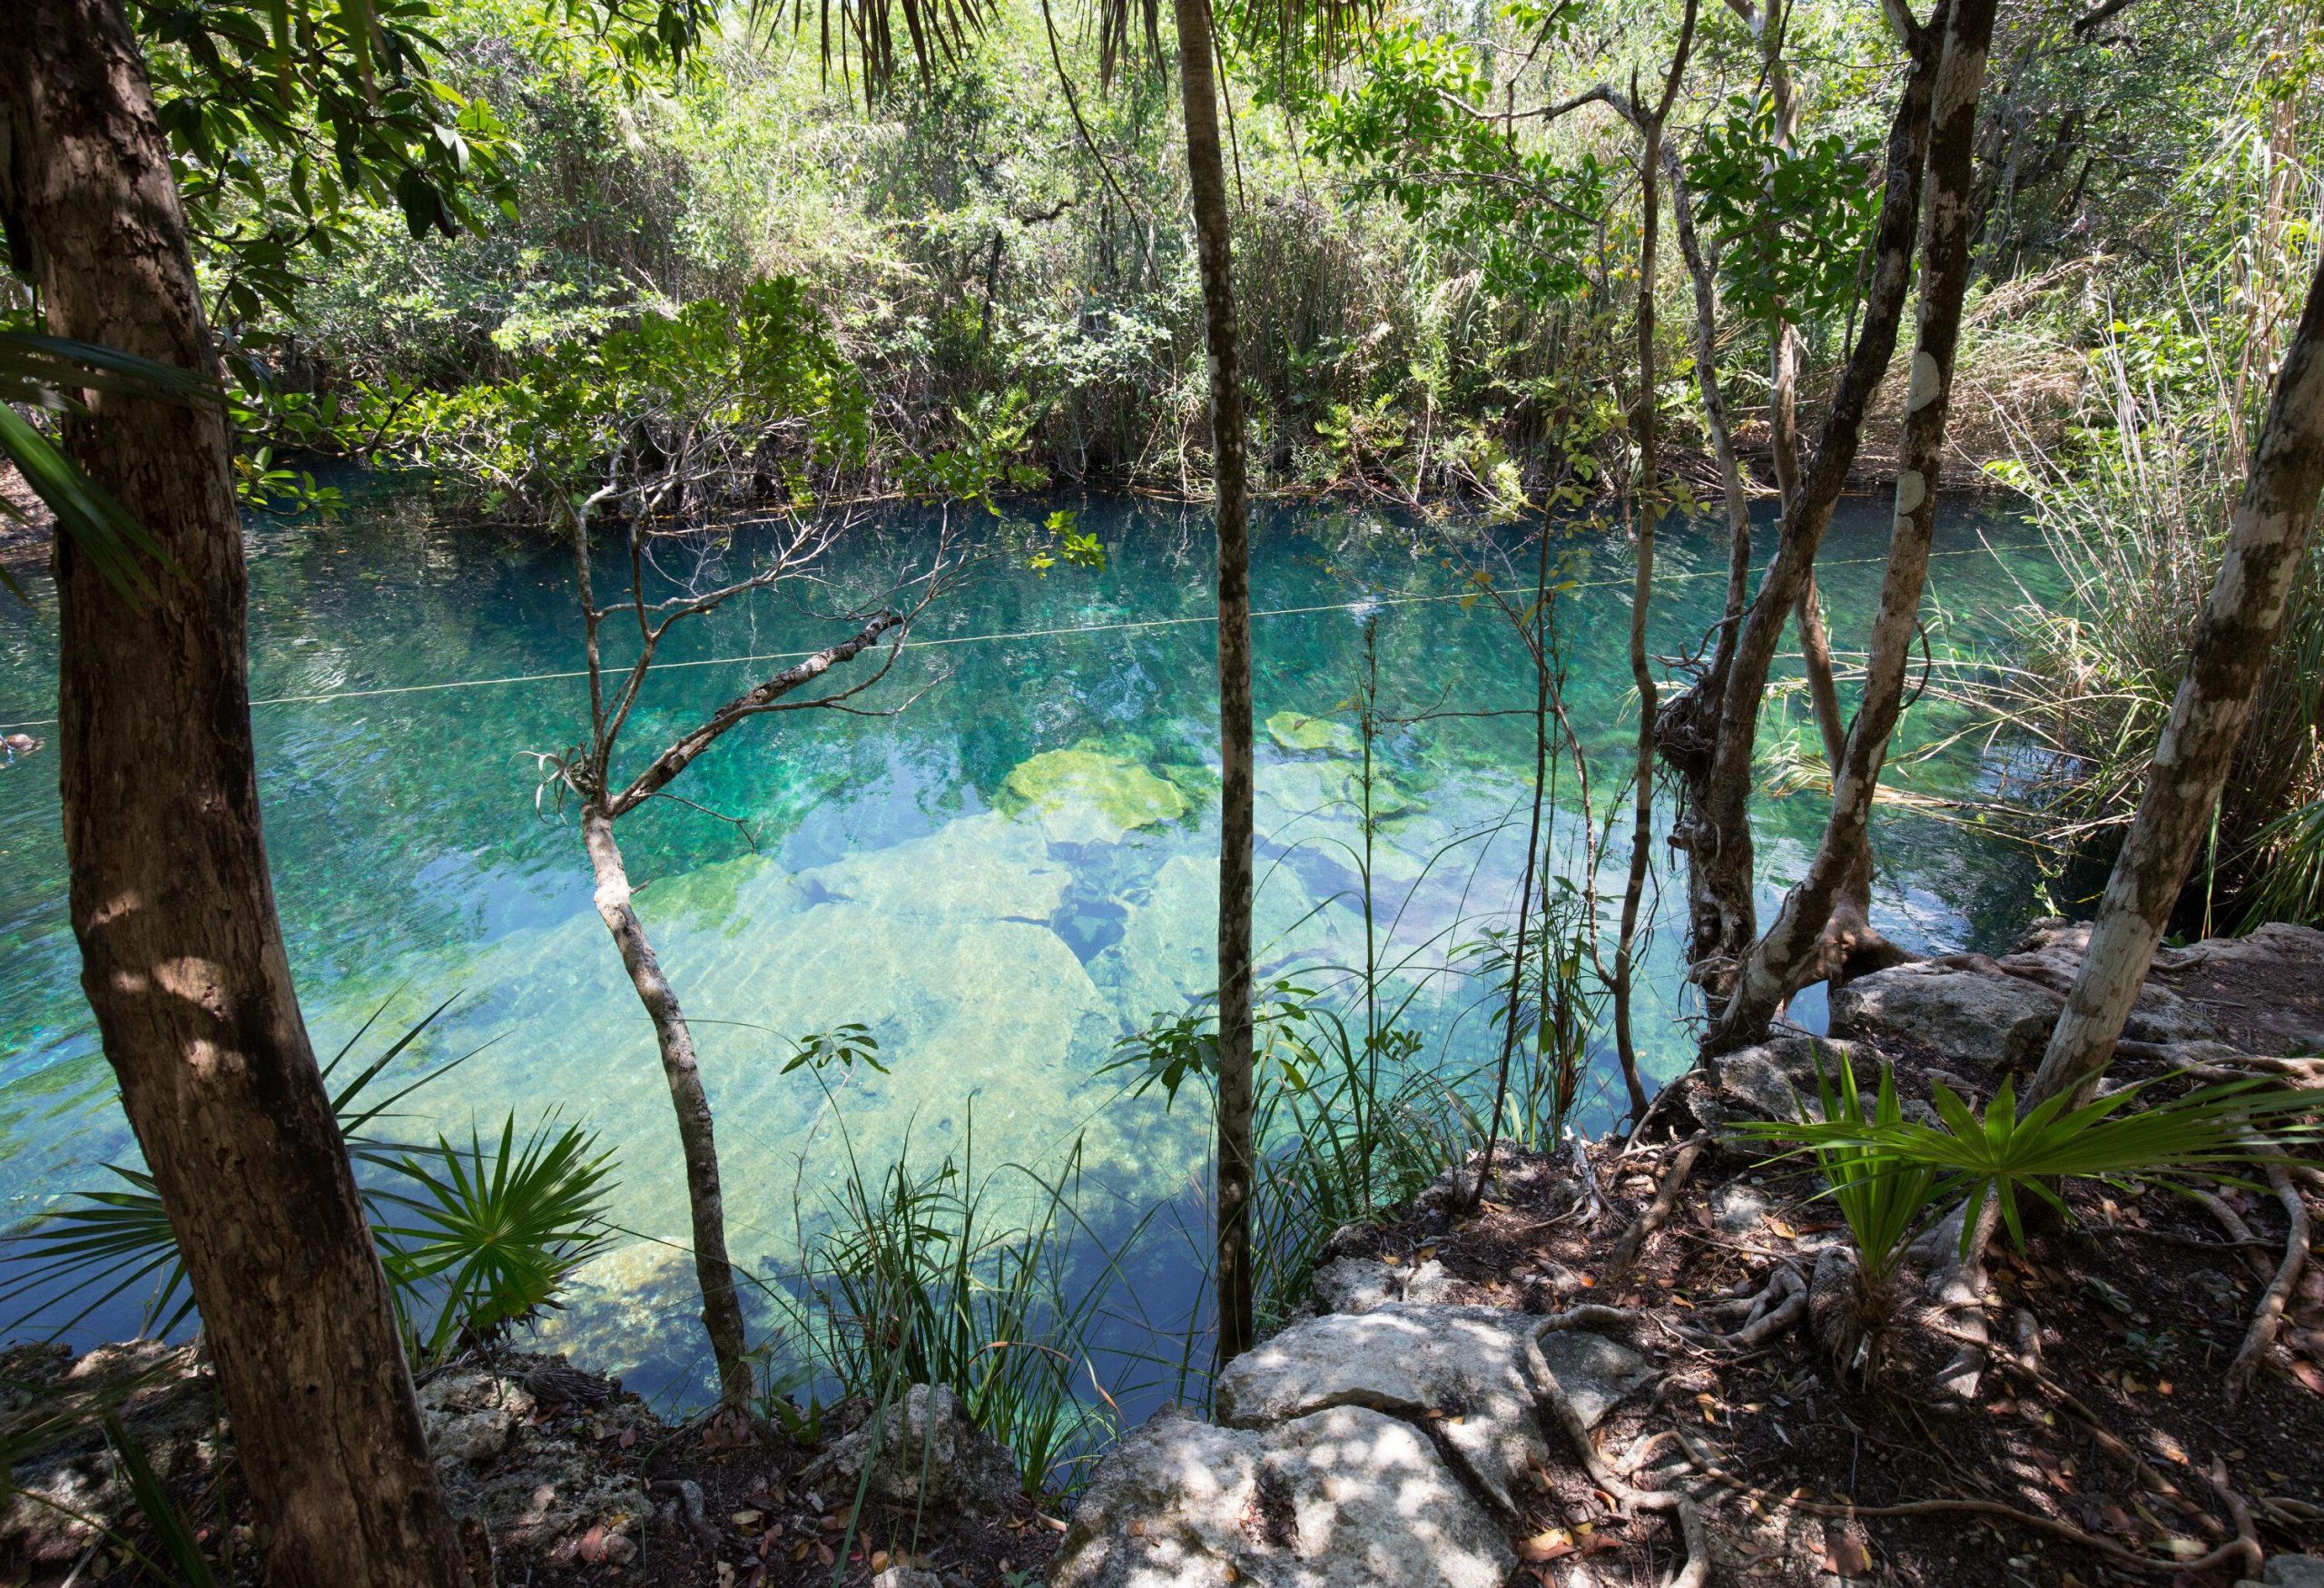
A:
x: 917, y: 1280
x: 1893, y: 1178
x: 474, y: 1240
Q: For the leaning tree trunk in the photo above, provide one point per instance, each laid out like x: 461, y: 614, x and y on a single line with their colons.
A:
x: 1783, y: 959
x: 2237, y: 641
x: 182, y: 952
x: 1717, y: 832
x: 1206, y: 171
x: 1650, y: 509
x: 722, y: 1307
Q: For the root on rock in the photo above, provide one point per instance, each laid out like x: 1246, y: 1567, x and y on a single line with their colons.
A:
x: 2267, y: 1317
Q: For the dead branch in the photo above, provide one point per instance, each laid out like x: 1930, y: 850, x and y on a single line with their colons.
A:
x: 1635, y: 1239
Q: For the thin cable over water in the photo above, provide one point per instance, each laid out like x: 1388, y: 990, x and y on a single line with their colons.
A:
x: 1062, y: 631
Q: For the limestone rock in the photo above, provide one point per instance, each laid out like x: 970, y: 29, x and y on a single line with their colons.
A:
x: 1739, y: 1209
x: 907, y: 1577
x: 173, y: 1415
x: 1468, y: 1366
x: 1988, y: 1023
x: 1431, y: 1282
x: 471, y: 1417
x: 2290, y: 1571
x: 927, y: 1449
x: 1775, y: 1080
x: 1090, y: 795
x: 1353, y: 1285
x: 1340, y: 1498
x: 2265, y: 991
x: 2051, y: 953
x: 1298, y: 732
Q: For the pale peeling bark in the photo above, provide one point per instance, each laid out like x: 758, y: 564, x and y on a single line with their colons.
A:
x: 1786, y: 957
x: 2266, y: 541
x: 182, y: 950
x: 1716, y: 832
x: 1206, y: 173
x: 722, y: 1307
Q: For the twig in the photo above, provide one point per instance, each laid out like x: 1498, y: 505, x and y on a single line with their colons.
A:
x: 1666, y: 1197
x: 2270, y: 1310
x: 2173, y: 1237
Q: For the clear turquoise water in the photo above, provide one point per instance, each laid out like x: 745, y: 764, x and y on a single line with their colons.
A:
x: 997, y: 947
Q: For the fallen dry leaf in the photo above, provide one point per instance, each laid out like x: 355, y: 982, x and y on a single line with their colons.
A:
x: 1847, y: 1556
x: 1550, y: 1546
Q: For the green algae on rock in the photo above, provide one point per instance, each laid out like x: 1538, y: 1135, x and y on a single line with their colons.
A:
x: 1296, y: 731
x: 1090, y: 795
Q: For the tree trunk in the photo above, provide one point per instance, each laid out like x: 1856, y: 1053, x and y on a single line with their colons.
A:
x: 1206, y: 174
x: 722, y: 1309
x: 2266, y: 542
x: 1781, y: 961
x: 182, y: 952
x: 1717, y: 834
x: 1650, y: 509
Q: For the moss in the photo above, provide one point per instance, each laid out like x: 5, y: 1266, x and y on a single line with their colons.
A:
x: 1089, y: 795
x: 1296, y: 731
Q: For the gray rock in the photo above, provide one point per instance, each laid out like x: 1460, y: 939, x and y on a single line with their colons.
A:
x: 1777, y: 1078
x: 1353, y: 1285
x: 1430, y: 1283
x: 1336, y: 1499
x: 1466, y: 1367
x: 907, y: 1577
x: 1737, y: 1209
x: 927, y: 1450
x: 2050, y: 954
x: 471, y: 1417
x: 170, y: 1406
x: 2291, y: 1572
x: 1984, y: 1023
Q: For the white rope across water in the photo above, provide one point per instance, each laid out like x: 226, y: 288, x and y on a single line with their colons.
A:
x: 1063, y: 631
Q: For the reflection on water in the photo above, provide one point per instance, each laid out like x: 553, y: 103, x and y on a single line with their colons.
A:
x: 1000, y: 883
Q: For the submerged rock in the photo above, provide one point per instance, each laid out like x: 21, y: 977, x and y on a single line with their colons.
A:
x: 1088, y: 795
x: 1339, y: 1497
x: 924, y: 1449
x: 1983, y: 1024
x: 1296, y: 731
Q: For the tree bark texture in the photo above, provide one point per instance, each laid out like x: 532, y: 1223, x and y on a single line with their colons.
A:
x: 722, y: 1307
x: 1716, y: 831
x: 1786, y: 957
x: 1206, y: 174
x: 2266, y: 541
x: 182, y: 952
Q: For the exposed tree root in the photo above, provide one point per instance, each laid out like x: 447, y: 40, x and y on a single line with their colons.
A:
x: 1768, y: 1312
x: 1636, y: 1237
x: 2269, y: 1315
x: 689, y: 1493
x: 1709, y: 1465
x: 2239, y: 1233
x: 1601, y: 1471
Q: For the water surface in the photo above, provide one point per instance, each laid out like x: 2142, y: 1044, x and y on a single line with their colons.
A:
x: 1000, y: 882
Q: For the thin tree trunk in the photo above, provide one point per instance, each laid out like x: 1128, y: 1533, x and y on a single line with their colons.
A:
x: 1686, y: 729
x: 1206, y: 173
x: 1779, y: 963
x: 1650, y: 509
x: 722, y: 1309
x: 2266, y: 542
x: 1717, y: 835
x: 1850, y: 945
x: 182, y: 952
